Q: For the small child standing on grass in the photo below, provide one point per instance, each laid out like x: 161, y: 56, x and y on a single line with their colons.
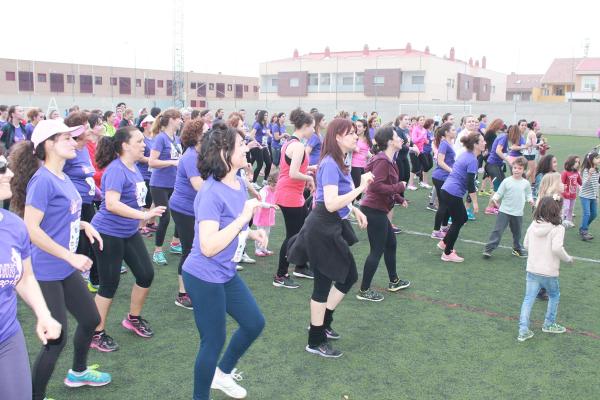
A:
x: 571, y: 181
x: 544, y: 241
x: 264, y: 217
x: 514, y: 192
x: 589, y: 193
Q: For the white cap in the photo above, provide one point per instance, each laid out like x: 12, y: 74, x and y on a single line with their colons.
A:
x: 148, y: 120
x: 50, y: 127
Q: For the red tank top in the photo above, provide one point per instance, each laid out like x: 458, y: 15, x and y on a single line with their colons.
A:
x: 289, y: 192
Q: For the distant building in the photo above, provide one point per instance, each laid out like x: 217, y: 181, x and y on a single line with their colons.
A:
x: 557, y: 81
x: 587, y: 81
x: 519, y: 87
x: 406, y: 74
x: 36, y: 82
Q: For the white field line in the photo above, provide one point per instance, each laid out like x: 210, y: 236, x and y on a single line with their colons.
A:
x: 590, y: 260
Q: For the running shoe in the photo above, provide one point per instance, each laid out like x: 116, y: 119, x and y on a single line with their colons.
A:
x: 138, y: 325
x: 228, y: 385
x: 398, y: 284
x: 554, y: 328
x: 424, y: 185
x: 445, y: 229
x: 519, y: 253
x: 175, y: 248
x: 432, y: 207
x: 324, y: 350
x: 256, y: 186
x: 184, y: 301
x: 285, y: 282
x: 159, y: 258
x: 92, y: 288
x: 303, y: 273
x: 246, y: 259
x: 269, y: 252
x: 123, y: 270
x: 330, y: 333
x: 145, y: 232
x: 524, y: 336
x: 441, y: 245
x: 369, y: 295
x: 90, y: 377
x: 439, y: 235
x: 486, y: 254
x: 260, y: 253
x: 239, y: 268
x: 411, y: 187
x: 151, y: 227
x: 396, y: 229
x: 103, y: 343
x: 471, y: 215
x: 452, y: 257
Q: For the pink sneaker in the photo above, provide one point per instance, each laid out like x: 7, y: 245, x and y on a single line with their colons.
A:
x: 269, y: 252
x: 438, y: 235
x: 441, y: 245
x: 260, y: 253
x: 445, y: 229
x: 452, y: 257
x: 491, y: 211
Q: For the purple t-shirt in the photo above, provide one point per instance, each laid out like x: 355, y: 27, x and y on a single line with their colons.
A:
x: 330, y: 174
x: 29, y: 130
x: 449, y: 154
x: 60, y: 202
x: 427, y: 146
x: 182, y: 199
x: 216, y: 201
x: 456, y: 183
x: 15, y: 248
x: 81, y: 172
x: 143, y: 167
x: 517, y: 153
x: 493, y: 158
x: 372, y: 133
x: 276, y: 144
x: 130, y: 184
x: 315, y: 143
x: 261, y: 134
x: 19, y: 134
x: 169, y: 149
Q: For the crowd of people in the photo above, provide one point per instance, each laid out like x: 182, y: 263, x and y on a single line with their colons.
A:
x: 86, y: 191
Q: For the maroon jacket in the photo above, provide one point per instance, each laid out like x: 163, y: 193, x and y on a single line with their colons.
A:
x: 386, y: 188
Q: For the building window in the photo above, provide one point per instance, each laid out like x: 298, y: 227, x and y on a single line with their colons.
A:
x: 220, y: 90
x: 313, y: 79
x: 57, y: 83
x: 325, y: 79
x: 360, y: 79
x: 10, y: 76
x: 193, y: 86
x: 160, y: 83
x: 193, y: 103
x: 450, y: 83
x: 294, y: 82
x: 201, y: 89
x: 417, y: 80
x: 275, y: 81
x: 149, y: 87
x: 255, y: 89
x: 138, y: 83
x: 379, y: 81
x: 201, y: 103
x: 239, y: 91
x: 97, y: 80
x: 347, y: 80
x: 71, y: 79
x: 245, y: 88
x: 493, y: 89
x: 211, y: 86
x: 467, y: 85
x: 169, y: 87
x: 41, y: 78
x: 25, y: 81
x: 559, y: 91
x: 113, y: 81
x: 485, y: 88
x: 229, y: 88
x: 589, y: 83
x: 85, y: 84
x: 124, y: 85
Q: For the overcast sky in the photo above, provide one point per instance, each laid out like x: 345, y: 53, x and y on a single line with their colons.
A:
x: 233, y: 37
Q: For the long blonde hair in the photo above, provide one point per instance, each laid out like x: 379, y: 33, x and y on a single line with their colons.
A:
x: 551, y: 184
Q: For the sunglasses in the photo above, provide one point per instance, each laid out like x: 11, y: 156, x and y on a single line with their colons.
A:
x: 3, y: 165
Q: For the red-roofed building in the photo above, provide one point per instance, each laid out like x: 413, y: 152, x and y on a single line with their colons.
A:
x: 587, y: 81
x: 557, y: 81
x: 406, y: 74
x: 519, y: 87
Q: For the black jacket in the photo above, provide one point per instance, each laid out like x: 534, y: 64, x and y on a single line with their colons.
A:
x: 8, y: 134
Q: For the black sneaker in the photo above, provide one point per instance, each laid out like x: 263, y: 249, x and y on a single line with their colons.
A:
x: 184, y: 301
x: 431, y: 207
x: 396, y: 229
x: 324, y: 350
x: 104, y: 343
x: 285, y: 282
x: 520, y: 253
x: 486, y: 254
x: 369, y: 295
x: 303, y: 273
x: 585, y: 236
x: 331, y: 334
x: 398, y: 285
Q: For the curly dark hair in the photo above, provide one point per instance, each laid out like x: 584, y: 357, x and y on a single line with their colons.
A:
x: 218, y: 145
x: 22, y: 154
x: 192, y: 133
x: 109, y: 148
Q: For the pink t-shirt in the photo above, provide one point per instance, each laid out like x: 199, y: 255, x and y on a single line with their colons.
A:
x: 359, y: 157
x: 265, y: 216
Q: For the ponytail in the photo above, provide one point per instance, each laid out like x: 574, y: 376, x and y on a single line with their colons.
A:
x: 28, y: 161
x: 110, y: 148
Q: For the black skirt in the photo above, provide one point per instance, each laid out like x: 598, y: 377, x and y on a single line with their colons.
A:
x: 324, y: 241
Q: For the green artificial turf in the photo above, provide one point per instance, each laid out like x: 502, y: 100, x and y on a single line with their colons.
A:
x: 451, y: 335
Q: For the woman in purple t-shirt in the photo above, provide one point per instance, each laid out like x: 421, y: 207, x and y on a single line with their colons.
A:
x: 444, y: 142
x: 52, y: 212
x: 117, y: 221
x: 16, y: 276
x: 261, y: 154
x: 314, y: 144
x: 325, y: 238
x: 460, y: 182
x: 187, y: 184
x: 163, y: 160
x: 222, y: 212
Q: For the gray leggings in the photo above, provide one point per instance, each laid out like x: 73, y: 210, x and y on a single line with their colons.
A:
x: 15, y: 375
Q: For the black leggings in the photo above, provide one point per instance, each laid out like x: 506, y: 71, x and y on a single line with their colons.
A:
x: 161, y: 198
x: 403, y: 167
x: 84, y: 247
x: 415, y: 164
x: 261, y: 155
x: 294, y: 219
x: 458, y: 212
x: 356, y: 172
x: 69, y: 294
x: 133, y: 251
x: 382, y: 241
x: 426, y: 160
x: 185, y: 227
x: 442, y: 215
x: 322, y: 284
x: 148, y: 194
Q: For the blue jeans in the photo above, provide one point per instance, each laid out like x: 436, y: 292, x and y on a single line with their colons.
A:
x: 212, y: 302
x: 590, y: 211
x: 534, y: 282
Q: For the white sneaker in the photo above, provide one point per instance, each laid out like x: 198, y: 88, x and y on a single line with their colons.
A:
x: 424, y: 185
x: 256, y: 186
x: 228, y: 385
x: 246, y: 259
x: 411, y: 187
x: 239, y: 268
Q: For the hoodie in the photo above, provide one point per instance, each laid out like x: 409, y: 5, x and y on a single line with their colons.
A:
x: 544, y: 242
x: 386, y: 188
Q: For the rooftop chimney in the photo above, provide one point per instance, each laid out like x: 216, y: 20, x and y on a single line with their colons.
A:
x: 426, y: 49
x: 408, y: 47
x: 366, y: 50
x: 296, y: 54
x: 452, y: 53
x: 327, y: 52
x: 470, y: 61
x: 483, y: 62
x: 476, y: 63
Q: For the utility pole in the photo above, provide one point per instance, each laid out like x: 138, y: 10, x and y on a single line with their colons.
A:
x: 178, y: 65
